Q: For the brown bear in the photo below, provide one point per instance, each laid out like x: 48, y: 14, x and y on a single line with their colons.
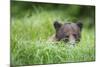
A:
x: 67, y: 32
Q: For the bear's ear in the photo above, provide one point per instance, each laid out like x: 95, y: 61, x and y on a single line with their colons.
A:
x: 57, y: 25
x: 80, y: 25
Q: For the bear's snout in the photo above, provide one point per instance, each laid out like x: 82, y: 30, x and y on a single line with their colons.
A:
x: 72, y: 40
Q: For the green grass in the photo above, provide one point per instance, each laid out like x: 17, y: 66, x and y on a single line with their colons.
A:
x: 29, y: 43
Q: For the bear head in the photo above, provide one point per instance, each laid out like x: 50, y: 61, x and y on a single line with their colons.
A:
x: 68, y: 32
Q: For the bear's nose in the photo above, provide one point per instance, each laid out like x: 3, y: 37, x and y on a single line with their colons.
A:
x: 72, y: 43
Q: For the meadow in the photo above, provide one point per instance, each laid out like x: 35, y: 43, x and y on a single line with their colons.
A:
x: 30, y: 30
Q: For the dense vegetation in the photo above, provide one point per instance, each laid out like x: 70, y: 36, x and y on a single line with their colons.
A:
x: 32, y: 25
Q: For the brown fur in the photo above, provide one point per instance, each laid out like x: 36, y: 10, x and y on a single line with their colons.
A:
x: 67, y: 32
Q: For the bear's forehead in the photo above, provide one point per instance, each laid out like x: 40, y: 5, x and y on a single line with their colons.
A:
x: 70, y: 27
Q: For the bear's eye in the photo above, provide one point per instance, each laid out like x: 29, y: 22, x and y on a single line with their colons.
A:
x: 67, y: 36
x: 74, y: 35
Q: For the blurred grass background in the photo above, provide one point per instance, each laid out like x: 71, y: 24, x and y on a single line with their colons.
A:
x: 32, y: 25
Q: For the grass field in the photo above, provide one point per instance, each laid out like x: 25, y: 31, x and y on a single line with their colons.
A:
x: 29, y: 44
